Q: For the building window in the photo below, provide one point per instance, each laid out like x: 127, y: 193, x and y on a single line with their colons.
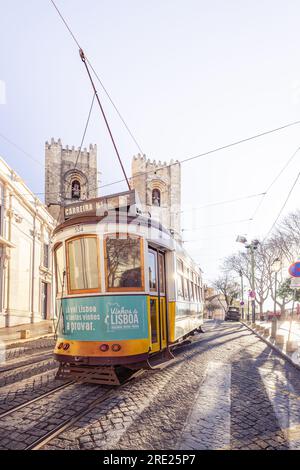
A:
x: 83, y: 264
x: 124, y: 264
x: 76, y: 189
x: 46, y: 255
x: 156, y: 197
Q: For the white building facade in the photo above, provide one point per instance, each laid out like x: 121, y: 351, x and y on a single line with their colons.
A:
x: 25, y: 255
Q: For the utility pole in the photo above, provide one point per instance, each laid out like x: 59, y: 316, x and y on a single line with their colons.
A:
x: 276, y: 265
x: 252, y: 247
x: 242, y: 289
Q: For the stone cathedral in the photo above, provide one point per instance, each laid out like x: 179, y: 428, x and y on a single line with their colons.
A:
x: 64, y: 183
x: 159, y: 188
x: 158, y: 184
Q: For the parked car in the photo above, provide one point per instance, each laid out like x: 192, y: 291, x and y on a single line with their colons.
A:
x: 270, y: 315
x: 233, y: 313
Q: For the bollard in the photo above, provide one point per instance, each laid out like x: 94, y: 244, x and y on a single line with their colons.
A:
x: 50, y: 329
x: 291, y: 346
x: 274, y: 327
x: 266, y: 332
x: 24, y: 334
x: 279, y: 340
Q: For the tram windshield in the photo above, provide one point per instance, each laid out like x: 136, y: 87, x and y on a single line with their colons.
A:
x: 83, y: 270
x: 124, y: 263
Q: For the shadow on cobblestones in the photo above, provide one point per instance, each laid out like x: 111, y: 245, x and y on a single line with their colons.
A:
x: 253, y: 421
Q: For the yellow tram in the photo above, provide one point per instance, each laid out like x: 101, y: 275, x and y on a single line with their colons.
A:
x: 125, y: 289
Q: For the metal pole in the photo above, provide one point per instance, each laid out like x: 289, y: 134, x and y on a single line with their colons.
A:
x: 291, y: 318
x: 274, y: 319
x: 242, y: 288
x: 253, y: 284
x: 248, y: 316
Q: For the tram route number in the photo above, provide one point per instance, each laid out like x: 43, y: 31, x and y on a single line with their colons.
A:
x: 78, y: 228
x: 150, y: 459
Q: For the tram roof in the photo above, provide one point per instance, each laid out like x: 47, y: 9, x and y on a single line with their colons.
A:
x: 115, y: 217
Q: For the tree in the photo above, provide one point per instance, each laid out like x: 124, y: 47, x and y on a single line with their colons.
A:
x: 240, y: 264
x: 226, y: 285
x: 286, y: 293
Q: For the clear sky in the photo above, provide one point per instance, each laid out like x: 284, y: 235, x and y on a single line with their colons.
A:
x: 188, y: 76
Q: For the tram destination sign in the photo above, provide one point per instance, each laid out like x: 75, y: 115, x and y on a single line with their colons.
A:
x: 100, y: 205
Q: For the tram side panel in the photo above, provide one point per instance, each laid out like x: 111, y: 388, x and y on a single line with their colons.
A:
x: 185, y: 309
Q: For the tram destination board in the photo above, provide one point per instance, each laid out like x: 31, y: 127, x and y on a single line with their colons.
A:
x: 100, y: 205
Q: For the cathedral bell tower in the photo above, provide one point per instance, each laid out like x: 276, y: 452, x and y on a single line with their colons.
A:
x: 65, y: 183
x: 159, y: 188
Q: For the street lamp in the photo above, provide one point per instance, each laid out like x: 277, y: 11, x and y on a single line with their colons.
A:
x: 275, y: 266
x: 251, y: 247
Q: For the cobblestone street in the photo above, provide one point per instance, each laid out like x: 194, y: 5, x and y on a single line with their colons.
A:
x: 225, y: 390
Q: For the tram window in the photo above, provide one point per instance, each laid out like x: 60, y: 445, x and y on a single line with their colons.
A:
x: 83, y: 269
x: 192, y: 289
x: 153, y: 319
x: 196, y: 293
x: 180, y: 289
x: 179, y: 266
x: 180, y: 286
x: 59, y: 268
x: 152, y: 271
x: 186, y: 289
x: 161, y: 267
x: 124, y: 270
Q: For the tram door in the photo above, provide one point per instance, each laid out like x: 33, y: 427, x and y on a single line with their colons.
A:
x: 157, y: 287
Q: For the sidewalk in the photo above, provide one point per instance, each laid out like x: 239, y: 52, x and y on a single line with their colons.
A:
x: 283, y: 329
x: 12, y: 334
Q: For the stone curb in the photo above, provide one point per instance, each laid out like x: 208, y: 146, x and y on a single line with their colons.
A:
x: 269, y: 342
x: 20, y: 342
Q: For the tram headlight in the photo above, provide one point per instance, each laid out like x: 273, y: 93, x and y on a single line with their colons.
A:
x: 60, y: 345
x: 66, y: 346
x: 104, y: 347
x: 116, y: 347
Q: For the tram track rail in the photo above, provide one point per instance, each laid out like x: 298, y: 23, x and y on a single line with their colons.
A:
x: 67, y: 423
x: 36, y: 399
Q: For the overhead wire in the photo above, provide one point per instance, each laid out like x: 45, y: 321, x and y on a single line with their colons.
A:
x: 177, y: 162
x: 272, y: 184
x: 98, y: 78
x: 82, y: 141
x: 283, y: 206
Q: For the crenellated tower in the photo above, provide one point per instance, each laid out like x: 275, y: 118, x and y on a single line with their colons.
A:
x: 159, y: 188
x: 65, y: 183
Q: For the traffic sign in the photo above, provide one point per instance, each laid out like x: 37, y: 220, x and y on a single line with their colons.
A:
x: 295, y: 283
x: 294, y: 269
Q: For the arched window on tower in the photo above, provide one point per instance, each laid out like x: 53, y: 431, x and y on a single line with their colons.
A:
x: 156, y: 197
x: 76, y: 190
